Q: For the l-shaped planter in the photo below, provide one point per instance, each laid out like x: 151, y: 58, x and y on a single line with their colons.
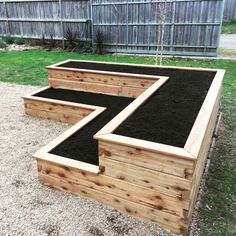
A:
x: 126, y: 118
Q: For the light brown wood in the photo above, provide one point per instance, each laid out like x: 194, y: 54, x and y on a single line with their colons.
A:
x: 145, y: 145
x: 147, y: 159
x: 59, y: 160
x: 106, y: 184
x: 195, y: 139
x: 168, y: 184
x: 173, y: 222
x: 85, y: 86
x: 56, y: 107
x: 151, y: 180
x: 58, y: 117
x: 201, y: 160
x: 94, y: 77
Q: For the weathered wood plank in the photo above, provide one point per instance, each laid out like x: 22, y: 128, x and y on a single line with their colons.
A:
x: 193, y: 34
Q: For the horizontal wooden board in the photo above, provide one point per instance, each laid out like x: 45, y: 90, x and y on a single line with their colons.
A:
x: 59, y: 117
x: 127, y: 64
x: 131, y: 92
x: 85, y: 86
x: 106, y: 184
x: 56, y: 107
x: 147, y: 159
x: 168, y: 184
x: 100, y: 78
x: 174, y: 223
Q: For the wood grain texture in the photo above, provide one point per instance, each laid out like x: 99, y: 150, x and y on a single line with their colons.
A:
x: 106, y: 184
x: 185, y: 33
x: 148, y: 159
x: 112, y: 78
x: 175, y: 223
x: 84, y: 86
x: 169, y: 184
x: 146, y: 179
x: 58, y: 117
x: 114, y: 83
x: 201, y: 160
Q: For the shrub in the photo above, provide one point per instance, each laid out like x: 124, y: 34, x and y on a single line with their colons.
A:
x: 71, y: 37
x: 8, y: 39
x: 52, y: 42
x: 2, y: 43
x: 43, y: 41
x: 99, y: 41
x: 20, y: 41
x: 83, y: 46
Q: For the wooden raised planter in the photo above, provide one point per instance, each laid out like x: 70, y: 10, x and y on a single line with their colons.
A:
x: 155, y: 181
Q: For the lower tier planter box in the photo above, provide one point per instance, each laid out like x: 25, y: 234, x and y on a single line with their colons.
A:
x: 141, y: 151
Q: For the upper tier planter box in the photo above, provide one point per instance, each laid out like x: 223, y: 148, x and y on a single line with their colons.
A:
x: 142, y: 135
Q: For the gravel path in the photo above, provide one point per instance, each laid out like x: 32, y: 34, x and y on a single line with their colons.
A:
x: 29, y: 208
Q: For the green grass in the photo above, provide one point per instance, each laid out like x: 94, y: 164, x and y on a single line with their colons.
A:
x: 229, y: 27
x: 218, y: 209
x: 224, y: 52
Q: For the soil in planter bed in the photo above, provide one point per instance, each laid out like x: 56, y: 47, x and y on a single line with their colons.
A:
x: 166, y: 117
x: 81, y: 146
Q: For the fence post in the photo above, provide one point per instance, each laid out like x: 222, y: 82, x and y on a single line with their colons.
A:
x: 221, y: 21
x: 7, y: 22
x: 127, y: 24
x: 61, y: 22
x: 91, y: 23
x: 172, y: 25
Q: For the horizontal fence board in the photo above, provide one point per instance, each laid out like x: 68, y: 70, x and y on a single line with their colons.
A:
x: 191, y: 26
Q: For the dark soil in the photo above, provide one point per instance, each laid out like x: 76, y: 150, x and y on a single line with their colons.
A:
x: 81, y: 146
x: 167, y: 117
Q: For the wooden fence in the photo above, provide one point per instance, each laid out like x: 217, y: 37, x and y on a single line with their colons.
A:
x: 230, y: 9
x: 192, y: 27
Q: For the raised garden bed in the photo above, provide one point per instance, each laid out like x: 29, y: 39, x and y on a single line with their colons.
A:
x: 152, y: 127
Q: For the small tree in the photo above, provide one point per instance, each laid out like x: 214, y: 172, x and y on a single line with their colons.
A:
x: 161, y: 30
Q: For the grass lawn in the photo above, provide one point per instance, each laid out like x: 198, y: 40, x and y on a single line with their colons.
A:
x: 229, y: 27
x: 218, y: 209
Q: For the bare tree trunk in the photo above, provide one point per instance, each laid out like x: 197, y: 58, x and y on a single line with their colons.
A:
x: 161, y: 31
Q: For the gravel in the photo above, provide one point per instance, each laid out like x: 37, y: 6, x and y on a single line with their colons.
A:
x: 15, y: 47
x: 29, y: 208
